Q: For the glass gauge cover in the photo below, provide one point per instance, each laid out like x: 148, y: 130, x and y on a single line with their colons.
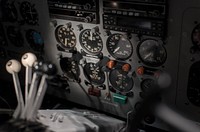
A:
x: 35, y: 40
x: 91, y: 41
x: 65, y: 37
x: 152, y: 53
x: 15, y: 36
x: 119, y: 46
x: 120, y: 81
x: 29, y: 13
x: 70, y: 68
x: 94, y: 74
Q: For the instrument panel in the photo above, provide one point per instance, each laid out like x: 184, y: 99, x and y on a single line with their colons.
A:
x: 109, y: 51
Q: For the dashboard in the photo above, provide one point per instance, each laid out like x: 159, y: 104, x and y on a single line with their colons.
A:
x: 108, y: 51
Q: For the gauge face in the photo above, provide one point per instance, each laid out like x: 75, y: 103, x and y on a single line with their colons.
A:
x: 65, y: 36
x: 70, y: 68
x: 35, y: 40
x: 152, y: 53
x: 9, y: 11
x: 147, y: 84
x: 94, y: 74
x: 196, y: 36
x: 119, y: 46
x: 91, y: 41
x: 15, y: 36
x: 29, y: 13
x: 120, y: 81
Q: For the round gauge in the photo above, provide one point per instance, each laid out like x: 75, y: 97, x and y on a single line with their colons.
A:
x: 91, y: 41
x: 35, y: 40
x: 147, y: 84
x: 120, y: 81
x: 15, y: 36
x: 119, y: 46
x: 196, y: 36
x: 70, y: 68
x: 29, y: 13
x: 9, y: 11
x: 94, y: 74
x: 65, y: 36
x: 152, y: 53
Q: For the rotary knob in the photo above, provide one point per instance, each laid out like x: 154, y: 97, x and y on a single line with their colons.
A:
x: 88, y: 19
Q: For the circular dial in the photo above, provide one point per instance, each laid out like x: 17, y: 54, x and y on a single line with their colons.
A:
x: 35, y: 40
x: 94, y: 74
x: 15, y: 36
x: 119, y: 46
x: 29, y: 13
x: 70, y: 68
x: 120, y: 81
x: 65, y: 36
x: 9, y: 11
x: 91, y: 41
x: 151, y: 52
x: 146, y: 85
x: 196, y: 36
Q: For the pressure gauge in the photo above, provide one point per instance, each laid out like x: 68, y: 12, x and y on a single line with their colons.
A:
x: 119, y: 46
x: 152, y: 52
x: 65, y: 37
x: 29, y: 13
x: 91, y: 41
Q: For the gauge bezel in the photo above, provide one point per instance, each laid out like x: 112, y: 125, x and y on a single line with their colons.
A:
x: 113, y: 54
x: 85, y: 49
x: 103, y: 78
x: 118, y: 89
x: 148, y: 63
x: 58, y: 39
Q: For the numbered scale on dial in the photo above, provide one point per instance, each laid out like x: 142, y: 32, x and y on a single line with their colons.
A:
x: 120, y: 81
x: 65, y: 37
x: 70, y: 68
x: 94, y: 74
x: 119, y: 46
x: 29, y: 13
x: 152, y: 52
x: 91, y: 41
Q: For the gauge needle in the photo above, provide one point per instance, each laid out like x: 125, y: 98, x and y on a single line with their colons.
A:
x: 148, y: 55
x: 116, y: 49
x: 65, y: 41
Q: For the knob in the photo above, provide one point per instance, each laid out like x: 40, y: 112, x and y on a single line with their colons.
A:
x: 87, y: 6
x: 69, y: 25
